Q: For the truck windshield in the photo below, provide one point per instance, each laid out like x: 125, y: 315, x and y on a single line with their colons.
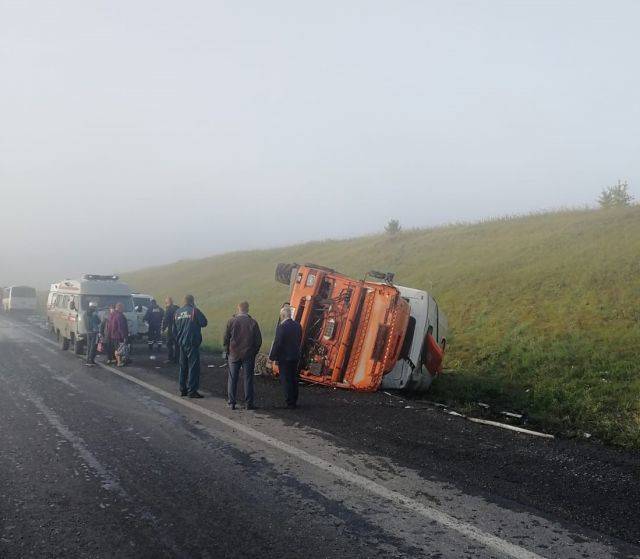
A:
x: 105, y: 301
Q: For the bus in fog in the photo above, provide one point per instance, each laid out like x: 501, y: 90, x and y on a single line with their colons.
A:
x: 19, y: 298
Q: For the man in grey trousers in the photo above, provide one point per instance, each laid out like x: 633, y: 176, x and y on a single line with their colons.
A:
x: 242, y: 341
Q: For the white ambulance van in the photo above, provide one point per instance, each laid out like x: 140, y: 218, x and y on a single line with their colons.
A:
x: 21, y: 298
x: 69, y: 299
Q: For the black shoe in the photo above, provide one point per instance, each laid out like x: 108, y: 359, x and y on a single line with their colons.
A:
x: 195, y: 394
x: 231, y: 406
x: 249, y: 407
x: 183, y: 393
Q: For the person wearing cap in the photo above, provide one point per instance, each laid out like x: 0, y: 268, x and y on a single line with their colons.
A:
x: 92, y: 324
x: 153, y: 318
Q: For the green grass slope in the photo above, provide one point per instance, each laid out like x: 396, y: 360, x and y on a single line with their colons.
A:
x: 544, y: 310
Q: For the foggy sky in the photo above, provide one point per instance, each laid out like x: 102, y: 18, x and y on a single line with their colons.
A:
x: 138, y: 133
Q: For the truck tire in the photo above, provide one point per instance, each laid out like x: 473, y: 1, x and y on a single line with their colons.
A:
x: 284, y: 272
x: 263, y: 366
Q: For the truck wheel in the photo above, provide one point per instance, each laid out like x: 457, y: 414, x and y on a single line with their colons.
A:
x: 263, y: 366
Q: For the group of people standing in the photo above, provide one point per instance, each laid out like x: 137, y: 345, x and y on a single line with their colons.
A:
x: 110, y: 332
x: 182, y: 327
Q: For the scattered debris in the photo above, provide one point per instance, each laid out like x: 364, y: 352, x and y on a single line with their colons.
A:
x: 511, y: 427
x: 486, y: 407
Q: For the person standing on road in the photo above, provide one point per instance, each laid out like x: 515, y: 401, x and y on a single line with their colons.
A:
x: 286, y: 352
x: 188, y: 324
x: 153, y: 317
x: 92, y: 324
x: 169, y: 328
x: 118, y: 333
x: 242, y: 341
x: 109, y: 348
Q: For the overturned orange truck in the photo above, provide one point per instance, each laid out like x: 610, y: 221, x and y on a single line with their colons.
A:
x: 364, y: 334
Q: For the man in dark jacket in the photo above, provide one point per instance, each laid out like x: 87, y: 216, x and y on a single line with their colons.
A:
x: 188, y: 324
x: 153, y: 317
x: 169, y: 328
x: 286, y: 352
x: 242, y: 341
x: 92, y: 324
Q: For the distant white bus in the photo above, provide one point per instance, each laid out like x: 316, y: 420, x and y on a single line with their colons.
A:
x: 19, y: 298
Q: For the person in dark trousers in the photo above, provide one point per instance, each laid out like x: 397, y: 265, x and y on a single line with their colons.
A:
x: 286, y: 352
x: 242, y: 341
x: 153, y: 317
x: 118, y: 334
x: 188, y: 324
x: 92, y: 324
x: 109, y: 348
x: 169, y: 328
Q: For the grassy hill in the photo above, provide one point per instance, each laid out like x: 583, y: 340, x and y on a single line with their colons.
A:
x: 544, y: 309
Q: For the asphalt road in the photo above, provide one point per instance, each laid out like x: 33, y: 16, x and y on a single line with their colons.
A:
x: 99, y: 462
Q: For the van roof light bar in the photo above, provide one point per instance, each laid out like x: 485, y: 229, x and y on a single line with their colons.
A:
x: 99, y: 277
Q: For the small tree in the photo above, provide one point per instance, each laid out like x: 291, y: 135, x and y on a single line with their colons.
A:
x: 393, y: 227
x: 616, y: 196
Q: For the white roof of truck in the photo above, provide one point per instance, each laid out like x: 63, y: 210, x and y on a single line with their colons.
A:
x: 412, y: 293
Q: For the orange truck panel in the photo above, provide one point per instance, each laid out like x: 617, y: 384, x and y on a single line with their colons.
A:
x: 352, y: 329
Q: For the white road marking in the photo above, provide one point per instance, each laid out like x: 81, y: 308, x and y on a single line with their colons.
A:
x: 468, y: 530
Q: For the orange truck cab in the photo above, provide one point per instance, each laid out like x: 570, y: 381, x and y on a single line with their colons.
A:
x: 353, y: 330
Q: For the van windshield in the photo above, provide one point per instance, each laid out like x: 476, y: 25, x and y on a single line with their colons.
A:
x: 104, y: 301
x: 141, y: 301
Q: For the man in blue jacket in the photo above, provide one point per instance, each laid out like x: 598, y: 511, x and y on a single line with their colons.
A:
x: 189, y: 321
x: 153, y: 318
x: 286, y: 352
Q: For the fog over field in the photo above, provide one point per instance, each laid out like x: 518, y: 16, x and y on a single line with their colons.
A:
x: 139, y: 133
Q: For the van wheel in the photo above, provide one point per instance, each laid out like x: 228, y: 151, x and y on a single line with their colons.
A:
x: 63, y: 343
x: 77, y: 346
